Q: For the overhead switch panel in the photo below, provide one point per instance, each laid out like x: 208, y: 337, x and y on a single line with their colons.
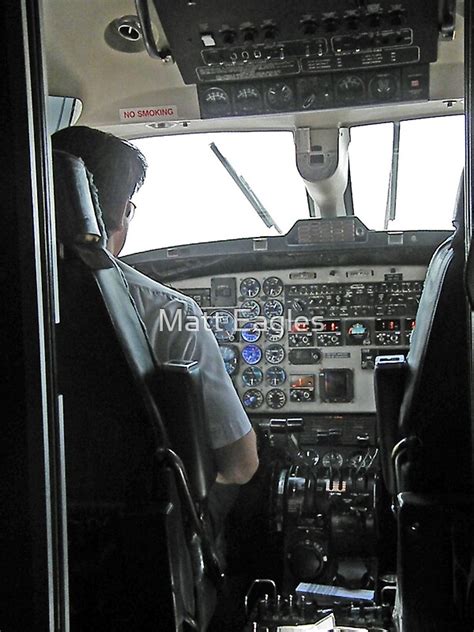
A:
x: 279, y: 56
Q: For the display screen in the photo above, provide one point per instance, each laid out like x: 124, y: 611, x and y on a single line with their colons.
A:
x: 387, y: 324
x: 302, y: 381
x: 336, y: 385
x: 410, y: 324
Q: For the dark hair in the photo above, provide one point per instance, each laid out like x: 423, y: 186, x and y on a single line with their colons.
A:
x: 118, y: 168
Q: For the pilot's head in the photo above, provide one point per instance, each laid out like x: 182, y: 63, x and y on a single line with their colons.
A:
x: 118, y: 169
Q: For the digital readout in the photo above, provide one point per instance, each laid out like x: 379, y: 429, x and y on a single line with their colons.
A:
x: 387, y: 324
x: 302, y: 381
x: 329, y: 325
x: 320, y: 326
x: 410, y: 324
x: 300, y: 327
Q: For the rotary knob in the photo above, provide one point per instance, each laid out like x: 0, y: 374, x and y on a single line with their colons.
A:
x: 307, y: 560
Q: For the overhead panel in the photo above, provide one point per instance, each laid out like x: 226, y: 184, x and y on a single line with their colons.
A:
x: 274, y: 56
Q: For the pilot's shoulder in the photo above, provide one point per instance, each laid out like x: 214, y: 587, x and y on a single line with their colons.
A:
x: 139, y: 282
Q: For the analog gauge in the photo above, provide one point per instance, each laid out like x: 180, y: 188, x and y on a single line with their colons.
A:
x: 248, y: 99
x: 251, y: 332
x: 332, y: 459
x: 275, y: 398
x: 273, y: 286
x: 252, y: 354
x: 253, y: 398
x: 310, y: 455
x: 273, y: 308
x: 355, y: 460
x: 358, y: 333
x: 280, y: 96
x: 274, y: 354
x: 350, y: 88
x: 222, y: 324
x: 275, y: 376
x: 315, y: 92
x: 252, y: 376
x: 230, y: 355
x: 384, y: 87
x: 249, y: 310
x: 216, y: 101
x: 275, y: 332
x: 249, y: 288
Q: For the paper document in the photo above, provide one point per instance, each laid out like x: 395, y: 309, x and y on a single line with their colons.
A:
x: 323, y: 625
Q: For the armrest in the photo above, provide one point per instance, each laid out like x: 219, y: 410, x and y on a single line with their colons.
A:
x: 389, y: 381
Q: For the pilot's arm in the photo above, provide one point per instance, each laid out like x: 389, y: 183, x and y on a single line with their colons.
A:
x: 178, y: 330
x: 231, y: 434
x: 237, y: 462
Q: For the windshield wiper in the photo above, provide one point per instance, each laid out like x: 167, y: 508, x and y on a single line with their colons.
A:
x: 391, y: 207
x: 243, y: 185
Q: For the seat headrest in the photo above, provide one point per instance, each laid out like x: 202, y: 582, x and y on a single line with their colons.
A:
x: 78, y: 214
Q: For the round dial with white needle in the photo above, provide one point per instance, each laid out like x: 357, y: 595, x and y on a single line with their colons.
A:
x: 217, y: 101
x: 249, y: 288
x: 332, y: 459
x: 273, y: 286
x: 252, y: 376
x: 275, y: 376
x: 273, y: 308
x: 274, y: 354
x: 248, y: 99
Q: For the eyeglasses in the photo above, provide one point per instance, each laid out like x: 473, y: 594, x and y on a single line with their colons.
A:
x: 130, y: 210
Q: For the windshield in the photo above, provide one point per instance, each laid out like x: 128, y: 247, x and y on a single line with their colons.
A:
x: 188, y: 196
x: 431, y: 159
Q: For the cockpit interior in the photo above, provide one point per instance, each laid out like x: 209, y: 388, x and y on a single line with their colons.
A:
x: 309, y: 188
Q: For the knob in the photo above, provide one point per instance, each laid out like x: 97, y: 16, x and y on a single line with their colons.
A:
x: 309, y: 27
x: 229, y: 36
x: 352, y: 22
x: 297, y: 305
x: 307, y: 560
x: 374, y: 20
x: 270, y: 33
x: 330, y: 24
x: 397, y: 17
x: 249, y: 34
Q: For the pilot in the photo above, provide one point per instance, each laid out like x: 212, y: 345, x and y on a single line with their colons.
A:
x: 174, y: 322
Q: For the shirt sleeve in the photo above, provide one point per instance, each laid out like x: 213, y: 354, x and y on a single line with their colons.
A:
x: 226, y: 417
x: 178, y: 331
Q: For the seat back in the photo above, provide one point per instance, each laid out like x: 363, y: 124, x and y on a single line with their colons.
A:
x: 130, y: 518
x: 423, y: 415
x: 435, y: 406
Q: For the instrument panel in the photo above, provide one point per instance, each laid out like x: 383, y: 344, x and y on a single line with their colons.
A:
x: 305, y: 340
x: 265, y: 57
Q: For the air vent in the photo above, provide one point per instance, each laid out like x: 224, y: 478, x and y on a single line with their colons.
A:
x: 130, y: 32
x: 125, y: 35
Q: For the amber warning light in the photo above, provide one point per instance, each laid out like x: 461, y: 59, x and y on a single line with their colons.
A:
x: 302, y: 381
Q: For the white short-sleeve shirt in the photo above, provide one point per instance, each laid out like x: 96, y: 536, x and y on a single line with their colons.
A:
x: 177, y: 330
